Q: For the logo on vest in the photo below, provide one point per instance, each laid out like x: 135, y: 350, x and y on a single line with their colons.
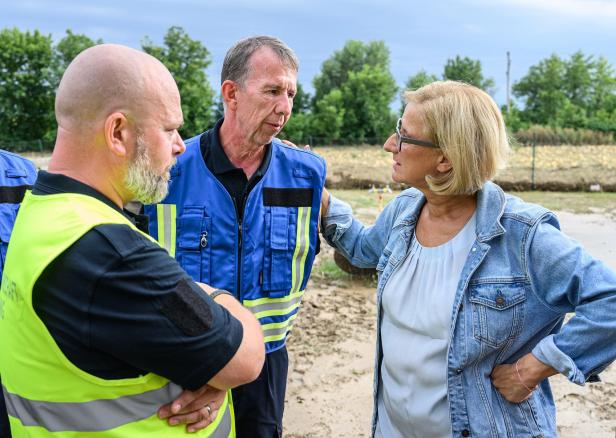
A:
x: 11, y: 301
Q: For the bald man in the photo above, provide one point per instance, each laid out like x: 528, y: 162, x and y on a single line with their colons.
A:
x: 102, y: 332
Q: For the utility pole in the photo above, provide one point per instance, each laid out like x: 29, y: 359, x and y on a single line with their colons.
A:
x: 508, y: 88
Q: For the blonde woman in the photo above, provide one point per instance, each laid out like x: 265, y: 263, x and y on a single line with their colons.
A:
x: 473, y: 283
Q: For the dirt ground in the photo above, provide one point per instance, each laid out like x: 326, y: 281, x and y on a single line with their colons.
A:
x: 329, y: 390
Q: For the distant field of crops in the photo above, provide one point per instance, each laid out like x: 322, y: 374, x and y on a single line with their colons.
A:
x: 564, y: 168
x: 557, y: 168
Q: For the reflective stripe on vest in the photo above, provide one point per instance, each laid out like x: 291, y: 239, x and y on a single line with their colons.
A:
x: 302, y: 242
x: 287, y: 305
x: 277, y: 331
x: 166, y: 226
x: 102, y: 415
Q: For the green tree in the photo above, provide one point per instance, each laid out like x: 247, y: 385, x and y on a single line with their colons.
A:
x: 577, y: 80
x: 328, y: 117
x: 603, y: 83
x: 301, y: 102
x: 351, y: 58
x: 366, y: 96
x: 360, y: 73
x: 187, y: 60
x: 543, y: 91
x: 68, y: 48
x: 467, y: 70
x: 26, y: 85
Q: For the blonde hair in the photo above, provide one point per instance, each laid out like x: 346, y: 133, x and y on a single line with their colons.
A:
x: 468, y: 127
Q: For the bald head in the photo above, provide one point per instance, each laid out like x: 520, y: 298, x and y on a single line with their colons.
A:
x: 111, y: 78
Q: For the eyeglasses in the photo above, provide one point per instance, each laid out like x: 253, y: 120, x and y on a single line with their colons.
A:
x: 404, y: 139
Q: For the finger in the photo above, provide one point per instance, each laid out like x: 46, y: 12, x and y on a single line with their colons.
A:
x: 201, y: 415
x: 307, y: 147
x: 195, y: 427
x: 288, y: 143
x: 165, y: 411
x: 189, y: 401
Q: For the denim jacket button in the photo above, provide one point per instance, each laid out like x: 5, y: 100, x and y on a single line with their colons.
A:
x: 500, y: 301
x: 466, y: 432
x: 459, y: 371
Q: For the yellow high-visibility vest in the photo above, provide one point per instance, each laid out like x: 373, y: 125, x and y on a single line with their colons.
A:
x: 47, y: 395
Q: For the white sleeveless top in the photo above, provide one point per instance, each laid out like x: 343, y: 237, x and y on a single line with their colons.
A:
x: 417, y: 305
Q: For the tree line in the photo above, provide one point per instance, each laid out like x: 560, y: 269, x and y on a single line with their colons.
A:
x: 353, y: 93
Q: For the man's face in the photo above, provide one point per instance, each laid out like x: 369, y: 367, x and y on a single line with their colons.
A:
x: 157, y: 145
x: 265, y: 100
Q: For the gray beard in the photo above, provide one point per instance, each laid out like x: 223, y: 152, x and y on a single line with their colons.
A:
x: 146, y: 186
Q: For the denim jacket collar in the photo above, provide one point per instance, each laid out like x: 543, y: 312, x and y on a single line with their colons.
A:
x: 490, y: 209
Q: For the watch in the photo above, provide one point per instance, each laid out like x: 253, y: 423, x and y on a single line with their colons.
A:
x: 220, y: 292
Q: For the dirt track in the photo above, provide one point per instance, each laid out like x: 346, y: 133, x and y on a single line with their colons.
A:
x: 330, y: 376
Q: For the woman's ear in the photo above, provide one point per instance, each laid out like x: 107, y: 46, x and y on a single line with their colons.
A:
x: 117, y: 134
x: 444, y: 165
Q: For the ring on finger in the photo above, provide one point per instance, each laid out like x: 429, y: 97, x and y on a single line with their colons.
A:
x: 209, y: 410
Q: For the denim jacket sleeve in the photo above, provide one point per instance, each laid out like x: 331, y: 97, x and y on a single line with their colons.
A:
x: 360, y: 244
x: 567, y: 279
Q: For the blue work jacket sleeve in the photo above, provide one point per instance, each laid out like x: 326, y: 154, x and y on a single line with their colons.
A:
x: 360, y: 244
x: 568, y: 279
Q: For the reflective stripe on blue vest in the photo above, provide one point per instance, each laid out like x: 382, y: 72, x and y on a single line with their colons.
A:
x: 197, y: 224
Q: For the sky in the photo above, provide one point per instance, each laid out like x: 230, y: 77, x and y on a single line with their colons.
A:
x: 419, y: 34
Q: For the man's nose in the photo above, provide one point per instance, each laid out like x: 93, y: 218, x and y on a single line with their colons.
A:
x: 179, y: 146
x: 284, y: 106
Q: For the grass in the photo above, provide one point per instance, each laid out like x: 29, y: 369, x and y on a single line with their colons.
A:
x: 366, y: 205
x: 575, y: 202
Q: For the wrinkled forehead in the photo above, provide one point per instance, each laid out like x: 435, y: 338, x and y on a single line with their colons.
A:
x: 266, y: 64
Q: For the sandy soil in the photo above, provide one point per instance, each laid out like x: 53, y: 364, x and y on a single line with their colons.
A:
x: 331, y: 357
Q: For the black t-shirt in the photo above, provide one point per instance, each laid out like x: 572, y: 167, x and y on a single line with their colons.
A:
x: 119, y: 306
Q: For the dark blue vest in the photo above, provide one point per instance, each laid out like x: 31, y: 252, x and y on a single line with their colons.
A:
x: 16, y: 176
x: 265, y: 260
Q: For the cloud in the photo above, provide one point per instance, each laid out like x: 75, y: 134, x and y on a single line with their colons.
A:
x: 594, y: 9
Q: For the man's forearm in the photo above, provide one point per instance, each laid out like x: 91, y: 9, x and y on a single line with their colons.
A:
x: 246, y: 364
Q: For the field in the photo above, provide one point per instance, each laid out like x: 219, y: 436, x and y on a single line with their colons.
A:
x: 557, y: 168
x: 560, y: 168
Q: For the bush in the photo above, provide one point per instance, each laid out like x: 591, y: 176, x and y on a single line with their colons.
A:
x: 553, y: 136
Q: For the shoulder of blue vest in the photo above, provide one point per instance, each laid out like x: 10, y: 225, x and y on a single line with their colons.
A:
x: 17, y: 165
x: 303, y: 153
x: 193, y: 149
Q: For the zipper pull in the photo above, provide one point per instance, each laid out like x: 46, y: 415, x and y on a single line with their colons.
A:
x: 203, y: 241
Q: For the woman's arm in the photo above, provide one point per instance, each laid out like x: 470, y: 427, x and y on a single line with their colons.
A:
x: 360, y: 244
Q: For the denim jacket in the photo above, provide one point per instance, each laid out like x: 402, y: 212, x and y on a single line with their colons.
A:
x: 521, y: 277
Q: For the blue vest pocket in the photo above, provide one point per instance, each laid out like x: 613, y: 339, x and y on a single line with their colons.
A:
x: 193, y: 248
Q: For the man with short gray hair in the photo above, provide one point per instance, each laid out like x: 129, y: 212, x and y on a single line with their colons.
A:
x: 242, y: 213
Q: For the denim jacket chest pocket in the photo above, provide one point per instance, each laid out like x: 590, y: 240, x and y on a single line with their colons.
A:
x: 497, y: 311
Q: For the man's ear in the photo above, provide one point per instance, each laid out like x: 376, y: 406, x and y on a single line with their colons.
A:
x: 117, y: 134
x: 444, y: 165
x: 228, y: 92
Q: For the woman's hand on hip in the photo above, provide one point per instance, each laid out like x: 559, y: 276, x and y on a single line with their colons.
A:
x: 516, y: 382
